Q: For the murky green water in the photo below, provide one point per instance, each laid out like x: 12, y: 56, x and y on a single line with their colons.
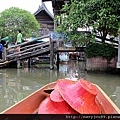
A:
x: 16, y: 84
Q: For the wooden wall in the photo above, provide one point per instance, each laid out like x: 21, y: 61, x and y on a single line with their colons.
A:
x: 45, y: 21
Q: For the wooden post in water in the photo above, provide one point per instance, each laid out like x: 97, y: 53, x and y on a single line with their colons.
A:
x: 29, y: 63
x: 51, y: 54
x: 57, y: 61
x: 4, y: 53
x: 18, y: 64
x: 118, y: 63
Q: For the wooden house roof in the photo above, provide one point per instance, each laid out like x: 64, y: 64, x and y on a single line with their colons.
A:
x: 44, y: 17
x: 43, y: 8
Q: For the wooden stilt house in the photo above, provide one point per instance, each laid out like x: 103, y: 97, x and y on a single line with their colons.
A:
x: 45, y: 18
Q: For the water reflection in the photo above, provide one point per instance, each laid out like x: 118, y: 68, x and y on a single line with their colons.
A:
x: 108, y: 82
x: 73, y: 69
x: 16, y: 84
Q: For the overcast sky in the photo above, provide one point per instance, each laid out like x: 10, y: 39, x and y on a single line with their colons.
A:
x: 29, y: 5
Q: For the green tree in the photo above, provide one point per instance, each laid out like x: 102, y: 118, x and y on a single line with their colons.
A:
x: 14, y: 18
x: 102, y: 15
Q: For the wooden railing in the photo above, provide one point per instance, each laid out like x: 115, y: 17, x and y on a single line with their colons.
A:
x: 27, y: 49
x: 33, y: 48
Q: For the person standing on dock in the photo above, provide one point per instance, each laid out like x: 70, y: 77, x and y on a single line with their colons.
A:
x: 19, y: 40
x: 1, y: 49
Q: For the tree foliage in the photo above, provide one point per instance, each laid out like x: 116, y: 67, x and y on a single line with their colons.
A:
x: 102, y: 15
x: 100, y: 50
x: 13, y: 19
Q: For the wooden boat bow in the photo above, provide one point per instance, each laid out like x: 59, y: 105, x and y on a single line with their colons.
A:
x: 30, y: 104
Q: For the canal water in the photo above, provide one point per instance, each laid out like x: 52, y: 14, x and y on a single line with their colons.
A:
x: 16, y: 84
